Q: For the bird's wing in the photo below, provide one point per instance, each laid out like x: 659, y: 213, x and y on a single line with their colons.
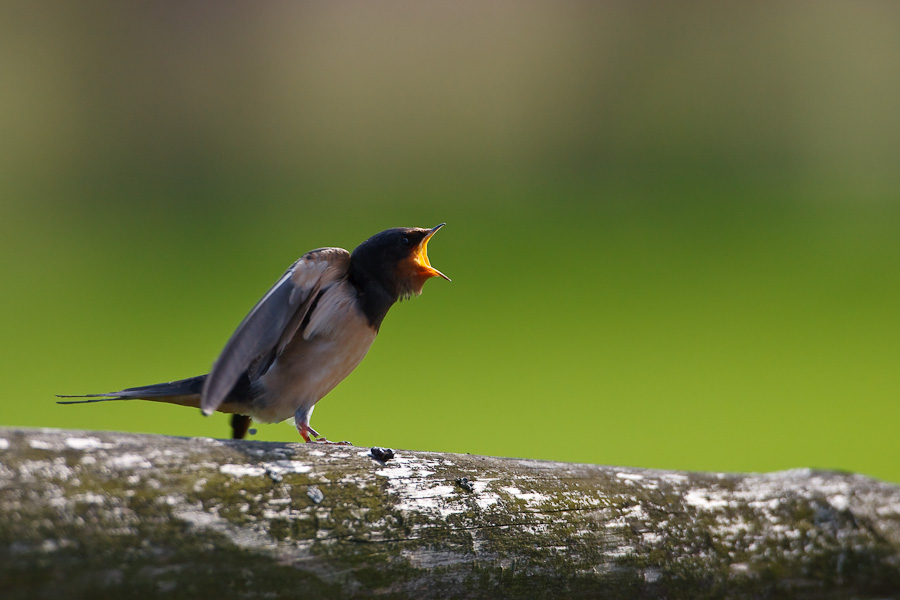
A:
x: 264, y: 333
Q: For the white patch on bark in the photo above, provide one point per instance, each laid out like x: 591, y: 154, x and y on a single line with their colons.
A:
x: 86, y: 443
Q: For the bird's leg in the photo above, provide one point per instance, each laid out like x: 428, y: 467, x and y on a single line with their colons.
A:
x: 240, y: 425
x: 301, y: 419
x: 304, y: 432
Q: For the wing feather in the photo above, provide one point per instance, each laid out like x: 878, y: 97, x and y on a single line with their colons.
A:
x: 273, y: 322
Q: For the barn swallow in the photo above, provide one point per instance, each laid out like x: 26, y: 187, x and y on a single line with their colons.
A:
x: 310, y: 330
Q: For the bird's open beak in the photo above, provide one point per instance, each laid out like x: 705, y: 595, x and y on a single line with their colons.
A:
x: 421, y: 255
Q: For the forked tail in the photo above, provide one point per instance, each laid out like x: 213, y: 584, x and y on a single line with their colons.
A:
x: 185, y: 392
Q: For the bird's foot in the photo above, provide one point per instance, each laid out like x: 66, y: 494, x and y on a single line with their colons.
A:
x: 306, y: 431
x: 323, y: 440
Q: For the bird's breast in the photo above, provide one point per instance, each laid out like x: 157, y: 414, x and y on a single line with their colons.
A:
x: 334, y: 340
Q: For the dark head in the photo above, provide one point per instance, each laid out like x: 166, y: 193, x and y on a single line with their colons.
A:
x: 392, y: 265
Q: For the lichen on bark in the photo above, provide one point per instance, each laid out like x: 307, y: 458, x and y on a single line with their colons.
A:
x: 112, y: 515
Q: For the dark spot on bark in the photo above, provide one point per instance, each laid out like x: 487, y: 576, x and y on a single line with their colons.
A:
x: 382, y: 454
x: 465, y: 484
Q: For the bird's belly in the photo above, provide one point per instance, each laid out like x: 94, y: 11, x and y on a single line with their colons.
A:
x: 308, y: 369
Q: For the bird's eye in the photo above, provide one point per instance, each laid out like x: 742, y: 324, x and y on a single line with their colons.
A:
x: 404, y: 241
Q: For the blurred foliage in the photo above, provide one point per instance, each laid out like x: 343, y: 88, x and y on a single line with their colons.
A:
x: 672, y: 228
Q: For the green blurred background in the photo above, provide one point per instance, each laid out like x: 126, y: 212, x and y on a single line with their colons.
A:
x: 672, y: 227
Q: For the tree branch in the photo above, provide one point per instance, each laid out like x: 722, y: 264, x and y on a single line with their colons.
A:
x: 111, y: 514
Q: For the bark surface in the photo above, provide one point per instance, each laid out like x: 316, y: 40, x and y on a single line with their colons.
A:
x: 95, y: 514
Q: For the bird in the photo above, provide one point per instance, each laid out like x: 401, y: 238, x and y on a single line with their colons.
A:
x: 306, y: 334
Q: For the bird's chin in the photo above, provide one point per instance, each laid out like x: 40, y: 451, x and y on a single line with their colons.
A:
x: 413, y: 287
x: 414, y: 272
